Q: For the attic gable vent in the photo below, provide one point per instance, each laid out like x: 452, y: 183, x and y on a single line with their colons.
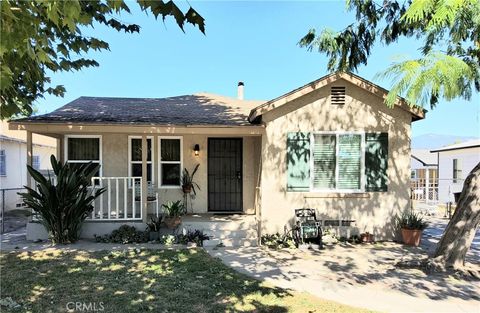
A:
x: 337, y: 95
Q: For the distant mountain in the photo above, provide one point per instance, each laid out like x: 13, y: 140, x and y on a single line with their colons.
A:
x: 431, y: 141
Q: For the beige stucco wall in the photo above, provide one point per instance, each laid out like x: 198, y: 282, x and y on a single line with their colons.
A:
x: 363, y: 111
x: 115, y: 164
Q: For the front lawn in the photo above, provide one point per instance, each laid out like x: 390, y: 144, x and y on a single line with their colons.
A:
x: 141, y: 280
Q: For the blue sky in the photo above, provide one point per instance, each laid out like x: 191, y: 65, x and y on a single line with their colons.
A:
x: 254, y: 42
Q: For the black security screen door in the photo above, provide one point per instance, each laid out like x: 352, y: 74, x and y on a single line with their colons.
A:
x: 225, y: 175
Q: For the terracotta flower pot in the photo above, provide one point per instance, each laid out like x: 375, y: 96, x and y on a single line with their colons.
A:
x: 411, y: 237
x: 172, y: 222
x: 366, y: 237
x: 187, y: 189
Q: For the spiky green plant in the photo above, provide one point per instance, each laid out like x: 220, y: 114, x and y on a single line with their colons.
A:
x: 63, y: 203
x: 410, y: 220
x: 174, y: 208
x: 187, y: 179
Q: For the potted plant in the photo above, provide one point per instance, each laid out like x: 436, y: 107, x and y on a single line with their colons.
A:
x: 153, y: 227
x: 188, y: 184
x: 366, y: 237
x: 173, y: 211
x: 412, y: 226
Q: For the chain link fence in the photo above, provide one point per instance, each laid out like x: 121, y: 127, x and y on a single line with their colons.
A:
x: 14, y: 213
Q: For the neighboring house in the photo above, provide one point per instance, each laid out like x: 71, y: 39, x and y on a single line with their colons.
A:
x: 424, y: 175
x: 332, y: 145
x: 13, y: 160
x: 455, y: 162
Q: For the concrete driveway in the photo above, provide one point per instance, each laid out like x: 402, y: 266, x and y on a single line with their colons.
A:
x: 358, y: 275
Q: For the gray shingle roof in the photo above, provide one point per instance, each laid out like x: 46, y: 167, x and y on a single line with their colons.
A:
x: 197, y: 109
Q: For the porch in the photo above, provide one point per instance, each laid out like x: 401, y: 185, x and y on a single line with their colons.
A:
x: 152, y: 158
x: 141, y: 169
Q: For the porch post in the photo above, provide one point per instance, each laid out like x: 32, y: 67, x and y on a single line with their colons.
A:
x: 60, y: 149
x: 29, y: 157
x: 144, y: 177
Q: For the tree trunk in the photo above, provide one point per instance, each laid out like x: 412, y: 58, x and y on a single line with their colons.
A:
x: 461, y: 229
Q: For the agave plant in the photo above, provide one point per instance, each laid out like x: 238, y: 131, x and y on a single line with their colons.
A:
x: 188, y: 184
x: 410, y: 220
x: 65, y: 204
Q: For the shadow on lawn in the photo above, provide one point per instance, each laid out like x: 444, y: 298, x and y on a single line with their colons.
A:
x: 133, y: 281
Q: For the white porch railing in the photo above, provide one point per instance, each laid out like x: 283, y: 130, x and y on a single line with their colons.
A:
x: 121, y: 199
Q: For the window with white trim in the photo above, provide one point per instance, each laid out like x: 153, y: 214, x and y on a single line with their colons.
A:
x: 337, y: 161
x: 457, y: 170
x: 36, y: 162
x: 83, y: 149
x: 135, y: 158
x: 3, y: 163
x: 170, y: 163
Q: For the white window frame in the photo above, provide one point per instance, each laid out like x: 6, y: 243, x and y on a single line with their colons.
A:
x: 362, y: 161
x: 130, y: 162
x: 160, y: 162
x: 456, y: 179
x: 4, y: 155
x: 100, y: 173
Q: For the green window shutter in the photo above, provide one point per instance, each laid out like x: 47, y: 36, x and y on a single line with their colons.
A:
x: 298, y: 161
x: 349, y: 161
x: 376, y: 161
x: 324, y: 161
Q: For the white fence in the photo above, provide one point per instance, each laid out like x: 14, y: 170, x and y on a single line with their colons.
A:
x: 122, y: 199
x: 435, y: 191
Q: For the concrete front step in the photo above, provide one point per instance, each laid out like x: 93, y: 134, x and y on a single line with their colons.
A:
x: 224, y: 226
x: 231, y: 231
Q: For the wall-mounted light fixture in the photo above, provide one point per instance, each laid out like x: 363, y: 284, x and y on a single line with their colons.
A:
x: 196, y: 149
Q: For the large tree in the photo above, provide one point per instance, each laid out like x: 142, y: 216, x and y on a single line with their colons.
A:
x: 38, y: 37
x: 449, y: 68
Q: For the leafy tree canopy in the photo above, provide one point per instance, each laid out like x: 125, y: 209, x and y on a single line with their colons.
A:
x: 448, y: 29
x: 37, y: 36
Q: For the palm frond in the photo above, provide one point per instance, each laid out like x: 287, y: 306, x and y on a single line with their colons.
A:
x: 437, y: 75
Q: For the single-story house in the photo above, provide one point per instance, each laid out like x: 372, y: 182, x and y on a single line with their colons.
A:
x: 332, y: 145
x: 424, y: 175
x: 455, y: 162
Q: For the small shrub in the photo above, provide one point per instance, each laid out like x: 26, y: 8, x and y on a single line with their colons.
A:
x: 277, y: 241
x: 125, y: 234
x: 168, y: 240
x: 196, y: 236
x: 154, y: 224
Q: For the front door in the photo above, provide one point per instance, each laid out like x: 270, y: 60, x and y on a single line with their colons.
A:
x: 225, y: 175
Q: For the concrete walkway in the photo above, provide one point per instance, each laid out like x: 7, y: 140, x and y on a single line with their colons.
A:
x: 360, y: 275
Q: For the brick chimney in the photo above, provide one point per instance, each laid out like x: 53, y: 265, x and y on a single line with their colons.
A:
x: 240, y: 90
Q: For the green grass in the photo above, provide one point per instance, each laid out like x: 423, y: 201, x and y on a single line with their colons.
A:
x: 143, y: 280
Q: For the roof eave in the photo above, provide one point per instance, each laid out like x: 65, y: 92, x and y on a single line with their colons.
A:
x: 455, y: 148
